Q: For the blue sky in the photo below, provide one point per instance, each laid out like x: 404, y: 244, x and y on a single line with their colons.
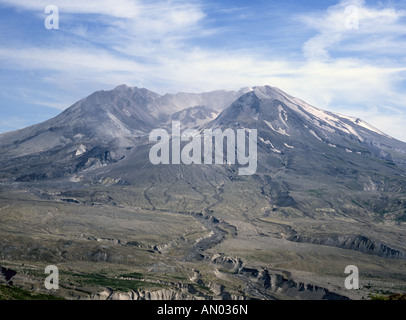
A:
x: 345, y: 56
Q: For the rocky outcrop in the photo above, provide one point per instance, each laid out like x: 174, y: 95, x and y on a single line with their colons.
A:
x: 6, y: 275
x: 273, y: 286
x: 163, y: 294
x: 302, y: 291
x: 216, y: 288
x: 353, y: 242
x: 196, y: 277
x: 226, y: 263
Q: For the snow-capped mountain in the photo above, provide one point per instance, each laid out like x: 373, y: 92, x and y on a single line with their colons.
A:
x: 327, y: 189
x: 292, y: 123
x: 106, y: 135
x: 100, y: 129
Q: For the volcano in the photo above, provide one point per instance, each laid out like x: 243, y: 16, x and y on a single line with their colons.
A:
x: 328, y: 190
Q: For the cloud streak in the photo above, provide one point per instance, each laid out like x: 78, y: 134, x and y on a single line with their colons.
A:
x: 335, y: 28
x: 169, y: 46
x: 116, y: 8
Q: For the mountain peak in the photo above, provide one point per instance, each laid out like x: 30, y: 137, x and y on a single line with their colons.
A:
x: 268, y: 92
x: 121, y: 87
x: 256, y: 100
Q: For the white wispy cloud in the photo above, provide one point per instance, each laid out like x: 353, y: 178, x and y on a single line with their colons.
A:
x: 156, y: 45
x: 116, y: 8
x: 361, y: 25
x: 357, y: 68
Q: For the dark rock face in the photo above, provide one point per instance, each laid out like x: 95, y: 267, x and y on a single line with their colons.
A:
x: 8, y: 274
x: 270, y: 283
x: 355, y: 242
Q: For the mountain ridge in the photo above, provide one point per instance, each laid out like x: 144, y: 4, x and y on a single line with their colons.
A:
x: 105, y: 125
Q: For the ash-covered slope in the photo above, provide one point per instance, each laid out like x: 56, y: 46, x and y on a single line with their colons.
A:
x: 103, y: 116
x: 101, y: 127
x: 309, y: 158
x: 192, y: 117
x: 311, y: 163
x: 292, y: 122
x: 99, y: 130
x: 300, y: 148
x: 217, y: 100
x: 306, y: 148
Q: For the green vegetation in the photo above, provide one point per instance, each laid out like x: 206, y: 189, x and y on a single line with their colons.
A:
x: 395, y: 296
x: 356, y: 203
x: 316, y: 192
x: 203, y: 288
x: 402, y: 218
x: 377, y: 297
x: 13, y: 293
x: 135, y: 275
x: 103, y: 281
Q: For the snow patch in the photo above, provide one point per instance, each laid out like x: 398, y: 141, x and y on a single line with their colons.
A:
x: 280, y: 131
x: 75, y: 179
x: 315, y: 135
x: 270, y: 143
x: 288, y: 146
x: 214, y: 115
x: 80, y: 150
x: 305, y: 109
x: 283, y: 115
x: 364, y: 124
x: 265, y: 141
x: 78, y: 136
